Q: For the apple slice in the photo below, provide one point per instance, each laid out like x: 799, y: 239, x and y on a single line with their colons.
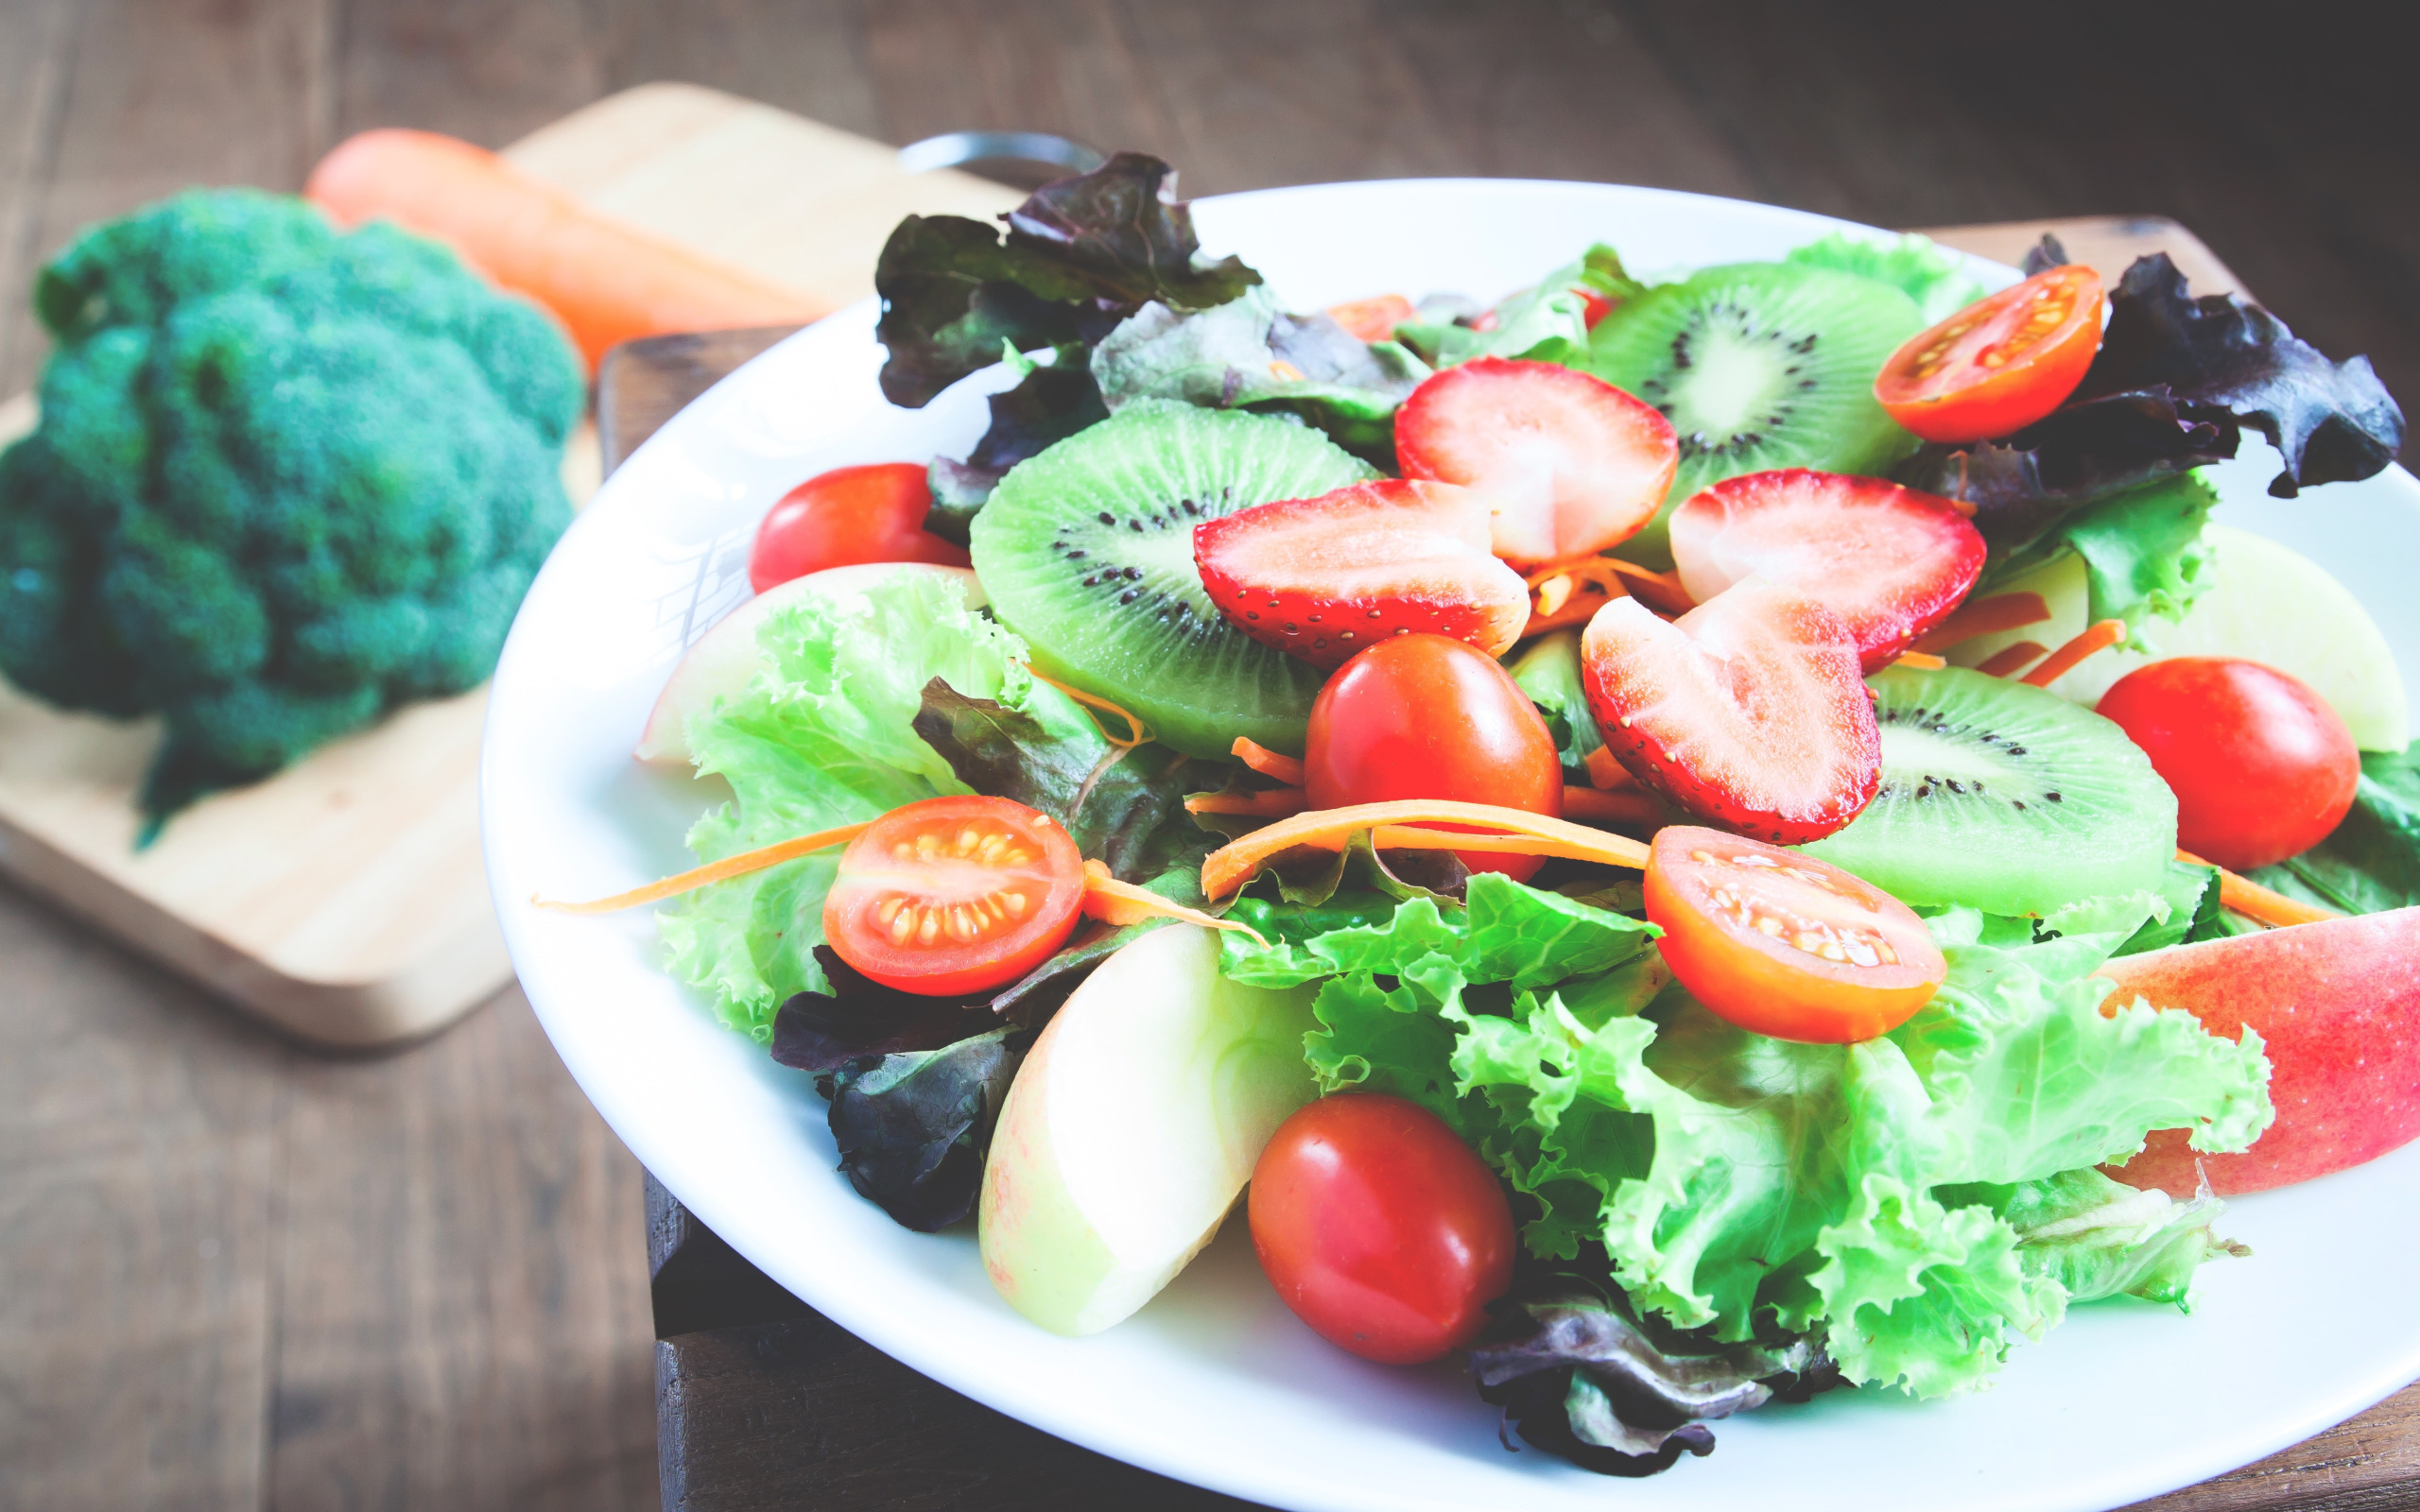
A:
x: 1131, y: 1125
x: 720, y: 662
x: 2265, y: 603
x: 2337, y: 1003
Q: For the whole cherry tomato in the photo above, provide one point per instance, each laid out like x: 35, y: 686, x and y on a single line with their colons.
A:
x: 950, y: 895
x: 846, y: 516
x: 1380, y: 1228
x: 1424, y: 716
x: 2261, y: 766
x: 2002, y: 363
x: 1777, y: 941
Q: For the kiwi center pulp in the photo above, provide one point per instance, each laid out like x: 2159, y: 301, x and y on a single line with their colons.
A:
x: 1729, y: 381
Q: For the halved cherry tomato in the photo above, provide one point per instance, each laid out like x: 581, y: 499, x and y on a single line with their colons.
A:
x: 1374, y: 318
x: 1425, y: 716
x: 2262, y: 768
x: 2002, y: 363
x: 1379, y: 1228
x: 847, y: 516
x: 954, y: 895
x: 1784, y: 944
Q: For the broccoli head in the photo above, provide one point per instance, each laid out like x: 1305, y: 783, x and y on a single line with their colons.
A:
x: 287, y: 477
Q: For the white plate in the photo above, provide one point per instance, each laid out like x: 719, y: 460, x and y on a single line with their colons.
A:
x: 1215, y: 1382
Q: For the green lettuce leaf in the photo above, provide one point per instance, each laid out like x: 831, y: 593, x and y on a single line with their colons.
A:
x: 1548, y: 673
x: 2100, y: 1238
x: 824, y: 736
x: 2142, y: 550
x: 1250, y: 355
x: 1546, y: 323
x: 1738, y: 1183
x: 1918, y: 267
x: 2371, y: 862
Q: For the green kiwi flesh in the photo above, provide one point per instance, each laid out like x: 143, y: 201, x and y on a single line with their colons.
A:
x: 1086, y: 550
x: 2004, y: 798
x: 1758, y: 366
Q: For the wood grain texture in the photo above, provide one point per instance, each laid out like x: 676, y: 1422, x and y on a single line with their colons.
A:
x: 462, y: 1319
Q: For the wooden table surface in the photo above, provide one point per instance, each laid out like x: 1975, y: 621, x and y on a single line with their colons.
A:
x: 240, y: 1276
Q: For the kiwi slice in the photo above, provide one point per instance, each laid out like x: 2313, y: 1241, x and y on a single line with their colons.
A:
x: 2004, y: 798
x: 1086, y: 550
x: 1757, y: 366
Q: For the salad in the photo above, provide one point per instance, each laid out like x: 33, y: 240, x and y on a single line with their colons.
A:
x: 1587, y: 811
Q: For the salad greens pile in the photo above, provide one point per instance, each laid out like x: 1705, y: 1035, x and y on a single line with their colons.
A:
x: 1713, y: 1218
x: 1913, y: 1200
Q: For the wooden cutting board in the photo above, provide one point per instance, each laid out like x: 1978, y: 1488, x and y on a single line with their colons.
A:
x: 344, y: 900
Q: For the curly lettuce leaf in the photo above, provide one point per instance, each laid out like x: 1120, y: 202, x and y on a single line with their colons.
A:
x: 2101, y: 1238
x: 2176, y: 383
x: 2371, y: 861
x: 1248, y: 354
x: 1581, y: 1375
x: 1739, y: 1182
x: 1918, y: 267
x: 1545, y: 323
x: 824, y: 736
x: 1080, y: 255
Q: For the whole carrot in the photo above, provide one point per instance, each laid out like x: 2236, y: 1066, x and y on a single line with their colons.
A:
x: 608, y: 282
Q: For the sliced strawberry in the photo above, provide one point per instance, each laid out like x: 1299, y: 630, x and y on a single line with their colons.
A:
x: 1569, y: 463
x: 1889, y: 562
x: 1748, y: 711
x: 1322, y: 579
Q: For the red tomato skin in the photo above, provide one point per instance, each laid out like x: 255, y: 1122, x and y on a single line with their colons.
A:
x: 1424, y: 716
x: 1965, y: 402
x: 847, y: 516
x: 944, y: 969
x: 1380, y: 1228
x: 2261, y: 766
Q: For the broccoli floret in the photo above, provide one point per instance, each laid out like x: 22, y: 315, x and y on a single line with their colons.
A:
x: 287, y: 477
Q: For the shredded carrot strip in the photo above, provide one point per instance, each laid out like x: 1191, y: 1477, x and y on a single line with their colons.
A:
x: 1633, y: 807
x: 738, y: 866
x: 1232, y: 864
x: 1282, y: 369
x: 1921, y: 661
x: 1137, y: 731
x: 1607, y: 773
x: 2000, y: 663
x: 1554, y: 592
x: 1964, y: 506
x: 1286, y: 769
x: 1579, y: 611
x: 1113, y: 902
x: 1660, y: 591
x: 2253, y: 901
x: 1984, y: 616
x: 2062, y: 661
x: 1276, y: 803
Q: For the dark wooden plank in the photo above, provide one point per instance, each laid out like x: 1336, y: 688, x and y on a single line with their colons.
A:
x: 33, y: 67
x: 2367, y: 1464
x: 806, y: 55
x: 800, y: 1414
x: 139, y: 1152
x: 462, y: 1317
x: 488, y: 73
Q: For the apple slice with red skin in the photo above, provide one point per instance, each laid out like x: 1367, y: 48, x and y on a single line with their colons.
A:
x: 1323, y: 578
x: 1749, y: 710
x: 1569, y: 463
x: 719, y: 662
x: 1891, y: 562
x: 2338, y: 1006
